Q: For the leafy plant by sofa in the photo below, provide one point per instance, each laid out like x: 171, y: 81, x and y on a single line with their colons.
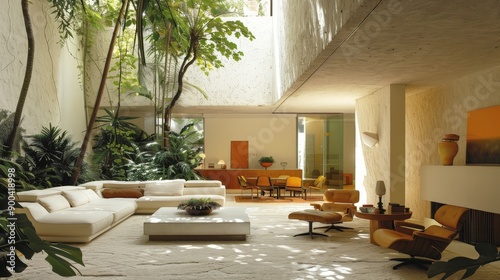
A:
x: 116, y: 145
x: 50, y: 156
x: 182, y: 156
x: 487, y: 253
x: 18, y: 236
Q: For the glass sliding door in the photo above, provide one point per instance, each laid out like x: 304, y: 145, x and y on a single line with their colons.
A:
x: 320, y: 147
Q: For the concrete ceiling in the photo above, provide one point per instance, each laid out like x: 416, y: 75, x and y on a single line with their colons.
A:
x: 419, y: 43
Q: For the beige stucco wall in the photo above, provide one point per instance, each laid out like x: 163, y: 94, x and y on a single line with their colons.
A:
x: 372, y: 164
x: 54, y: 94
x: 442, y: 110
x: 267, y: 135
x: 429, y: 115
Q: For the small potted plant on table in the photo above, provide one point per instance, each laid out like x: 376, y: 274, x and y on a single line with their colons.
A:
x: 199, y: 206
x: 266, y: 161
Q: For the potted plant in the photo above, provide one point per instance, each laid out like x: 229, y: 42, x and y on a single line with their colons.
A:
x: 199, y: 206
x: 266, y: 161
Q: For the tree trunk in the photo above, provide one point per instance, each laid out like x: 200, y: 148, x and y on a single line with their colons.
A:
x: 27, y: 80
x: 88, y: 133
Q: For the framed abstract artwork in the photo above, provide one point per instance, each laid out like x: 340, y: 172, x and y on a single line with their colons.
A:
x: 483, y: 136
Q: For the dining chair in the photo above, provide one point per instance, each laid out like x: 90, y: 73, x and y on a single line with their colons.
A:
x: 264, y: 184
x: 279, y: 184
x: 319, y: 184
x: 244, y: 185
x: 294, y: 185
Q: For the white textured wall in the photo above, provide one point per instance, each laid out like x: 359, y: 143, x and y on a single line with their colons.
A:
x: 54, y: 94
x: 41, y: 107
x: 303, y: 30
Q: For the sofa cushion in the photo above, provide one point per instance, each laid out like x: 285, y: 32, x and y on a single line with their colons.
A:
x: 54, y: 203
x: 165, y: 188
x: 92, y: 195
x: 76, y: 198
x: 34, y: 195
x: 128, y: 193
x: 123, y: 184
x: 202, y: 183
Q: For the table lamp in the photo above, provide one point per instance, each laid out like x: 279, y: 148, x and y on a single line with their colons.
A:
x: 380, y: 191
x: 222, y: 164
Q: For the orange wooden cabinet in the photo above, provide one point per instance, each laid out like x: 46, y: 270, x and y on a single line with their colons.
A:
x: 228, y: 177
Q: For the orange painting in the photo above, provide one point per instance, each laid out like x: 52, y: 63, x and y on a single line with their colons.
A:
x: 483, y: 136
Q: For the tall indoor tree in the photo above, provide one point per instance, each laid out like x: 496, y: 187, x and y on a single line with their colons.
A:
x: 191, y: 32
x: 26, y: 82
x: 100, y: 92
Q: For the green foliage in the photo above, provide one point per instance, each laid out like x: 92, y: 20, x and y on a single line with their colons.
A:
x: 198, y: 31
x: 64, y: 11
x: 199, y: 204
x: 487, y: 253
x: 25, y: 242
x: 266, y: 159
x: 18, y: 236
x: 116, y: 145
x: 6, y: 126
x: 180, y: 159
x: 50, y: 156
x: 22, y: 177
x: 154, y: 162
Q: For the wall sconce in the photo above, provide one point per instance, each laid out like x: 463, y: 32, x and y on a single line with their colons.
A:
x: 222, y: 164
x: 369, y: 138
x: 380, y: 191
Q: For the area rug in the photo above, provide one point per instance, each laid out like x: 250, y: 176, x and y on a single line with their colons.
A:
x: 270, y: 199
x: 270, y: 252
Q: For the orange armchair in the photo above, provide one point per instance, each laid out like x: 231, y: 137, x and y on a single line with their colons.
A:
x: 341, y: 201
x: 412, y: 239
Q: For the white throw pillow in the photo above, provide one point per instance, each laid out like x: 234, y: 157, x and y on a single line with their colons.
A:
x: 165, y: 188
x: 76, y: 198
x: 92, y: 195
x: 54, y: 203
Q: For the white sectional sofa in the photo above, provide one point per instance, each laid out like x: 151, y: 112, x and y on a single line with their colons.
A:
x: 81, y: 213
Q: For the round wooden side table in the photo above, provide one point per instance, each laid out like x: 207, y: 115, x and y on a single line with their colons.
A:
x: 382, y: 220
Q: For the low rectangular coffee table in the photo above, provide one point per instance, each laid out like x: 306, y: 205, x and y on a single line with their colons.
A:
x: 226, y: 223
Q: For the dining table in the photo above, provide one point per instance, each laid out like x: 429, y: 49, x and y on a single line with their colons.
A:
x: 277, y: 183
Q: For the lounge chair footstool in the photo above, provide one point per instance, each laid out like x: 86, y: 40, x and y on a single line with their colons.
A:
x: 311, y: 216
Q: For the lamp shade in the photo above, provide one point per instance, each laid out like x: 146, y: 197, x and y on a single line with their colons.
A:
x: 380, y: 188
x: 221, y: 162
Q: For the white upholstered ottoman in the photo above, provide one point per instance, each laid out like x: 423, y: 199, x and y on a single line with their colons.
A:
x: 226, y: 223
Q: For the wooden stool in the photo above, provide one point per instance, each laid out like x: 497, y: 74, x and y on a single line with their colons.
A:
x: 311, y: 216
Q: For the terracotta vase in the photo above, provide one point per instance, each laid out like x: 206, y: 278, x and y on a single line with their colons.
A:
x: 448, y: 148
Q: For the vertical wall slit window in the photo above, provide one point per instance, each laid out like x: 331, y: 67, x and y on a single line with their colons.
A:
x: 320, y: 147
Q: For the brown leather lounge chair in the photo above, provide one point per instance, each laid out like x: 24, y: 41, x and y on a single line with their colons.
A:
x: 414, y: 240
